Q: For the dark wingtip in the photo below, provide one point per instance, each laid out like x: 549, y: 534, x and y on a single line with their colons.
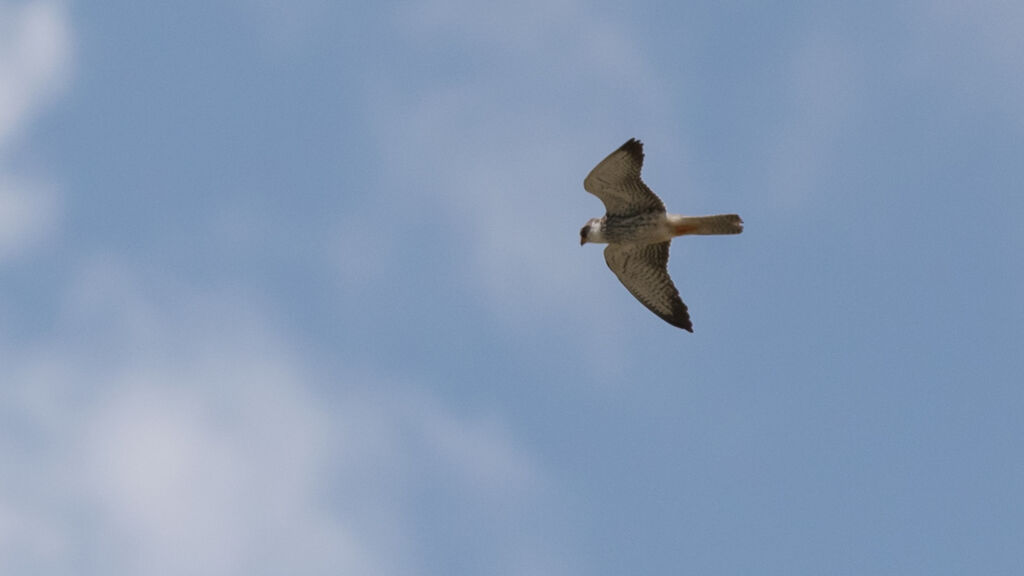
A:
x: 635, y: 149
x: 680, y: 317
x: 633, y: 146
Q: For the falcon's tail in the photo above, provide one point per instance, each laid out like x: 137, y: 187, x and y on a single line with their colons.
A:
x: 706, y: 225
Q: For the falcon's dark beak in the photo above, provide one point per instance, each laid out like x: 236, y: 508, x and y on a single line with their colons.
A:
x: 582, y: 240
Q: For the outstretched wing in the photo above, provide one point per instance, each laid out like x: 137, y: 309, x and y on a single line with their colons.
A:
x: 616, y: 181
x: 643, y: 270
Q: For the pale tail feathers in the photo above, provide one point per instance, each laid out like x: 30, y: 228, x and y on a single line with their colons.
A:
x: 708, y: 225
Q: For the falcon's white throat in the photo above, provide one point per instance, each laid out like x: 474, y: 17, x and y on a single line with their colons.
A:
x: 593, y: 232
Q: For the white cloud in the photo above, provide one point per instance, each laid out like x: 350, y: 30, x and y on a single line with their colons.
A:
x: 198, y: 474
x: 35, y: 57
x: 169, y: 431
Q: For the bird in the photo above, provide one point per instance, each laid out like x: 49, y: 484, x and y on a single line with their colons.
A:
x: 638, y: 231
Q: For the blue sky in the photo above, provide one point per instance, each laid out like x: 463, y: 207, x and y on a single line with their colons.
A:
x: 296, y: 287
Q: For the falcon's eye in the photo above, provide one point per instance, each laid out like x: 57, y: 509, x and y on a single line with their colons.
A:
x: 584, y: 230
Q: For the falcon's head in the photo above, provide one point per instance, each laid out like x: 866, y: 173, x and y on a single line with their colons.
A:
x: 591, y: 232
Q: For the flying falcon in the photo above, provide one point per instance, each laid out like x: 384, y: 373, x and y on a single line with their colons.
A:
x: 638, y: 231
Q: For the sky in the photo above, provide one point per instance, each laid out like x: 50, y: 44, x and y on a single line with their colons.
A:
x: 295, y: 287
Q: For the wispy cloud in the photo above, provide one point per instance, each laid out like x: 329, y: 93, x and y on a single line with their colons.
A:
x: 955, y: 61
x: 499, y: 154
x: 35, y: 54
x: 981, y: 43
x: 164, y: 430
x: 824, y: 83
x: 35, y: 57
x: 287, y: 23
x: 28, y: 214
